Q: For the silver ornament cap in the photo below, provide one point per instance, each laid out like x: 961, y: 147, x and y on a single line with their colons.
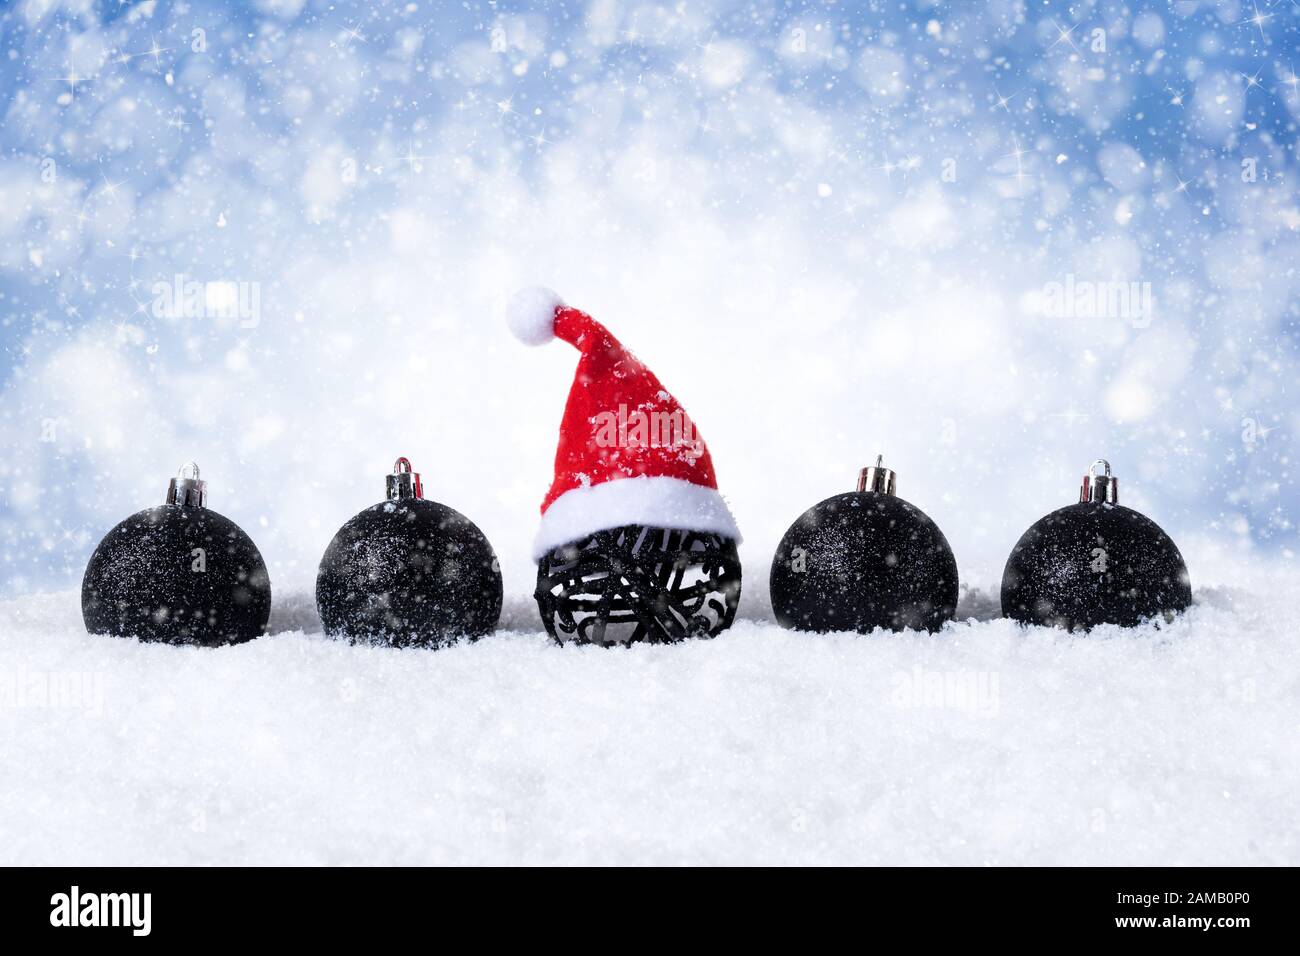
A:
x: 878, y: 478
x: 186, y: 489
x: 1103, y: 488
x: 404, y: 482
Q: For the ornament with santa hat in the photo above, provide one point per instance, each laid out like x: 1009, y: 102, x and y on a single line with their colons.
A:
x: 636, y: 543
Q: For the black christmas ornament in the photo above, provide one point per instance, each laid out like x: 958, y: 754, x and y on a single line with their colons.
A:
x: 179, y: 573
x: 408, y: 572
x: 636, y: 543
x: 638, y: 583
x: 1095, y: 562
x: 863, y: 560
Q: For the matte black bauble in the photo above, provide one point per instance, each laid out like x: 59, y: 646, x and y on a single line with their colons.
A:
x: 179, y: 573
x: 639, y: 583
x: 863, y: 560
x: 1095, y: 562
x: 408, y: 572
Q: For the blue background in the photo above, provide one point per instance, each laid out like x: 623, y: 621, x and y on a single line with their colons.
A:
x: 388, y: 173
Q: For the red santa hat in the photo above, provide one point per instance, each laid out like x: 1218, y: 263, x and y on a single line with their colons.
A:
x: 628, y: 452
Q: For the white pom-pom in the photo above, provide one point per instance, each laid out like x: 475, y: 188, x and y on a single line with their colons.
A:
x: 531, y: 315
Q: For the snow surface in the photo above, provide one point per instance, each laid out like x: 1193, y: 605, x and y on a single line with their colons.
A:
x: 1174, y: 745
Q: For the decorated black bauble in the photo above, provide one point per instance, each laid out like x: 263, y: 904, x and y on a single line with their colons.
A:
x: 863, y: 560
x: 408, y: 572
x: 639, y: 583
x: 1095, y: 562
x: 179, y: 573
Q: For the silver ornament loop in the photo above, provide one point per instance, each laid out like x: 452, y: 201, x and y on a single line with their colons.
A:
x: 404, y: 482
x: 1103, y: 488
x: 186, y: 489
x: 878, y: 478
